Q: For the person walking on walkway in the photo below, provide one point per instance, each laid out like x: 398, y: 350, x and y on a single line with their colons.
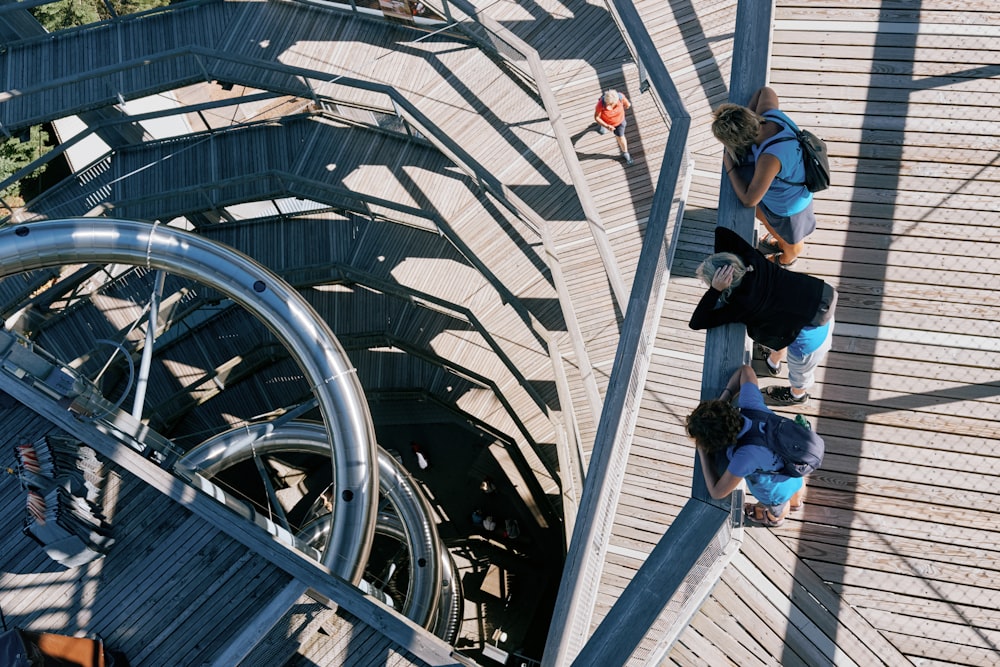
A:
x: 766, y: 173
x: 610, y: 115
x: 789, y: 313
x: 716, y: 426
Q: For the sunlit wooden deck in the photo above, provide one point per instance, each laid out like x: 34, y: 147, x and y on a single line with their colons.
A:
x: 893, y: 540
x: 893, y: 559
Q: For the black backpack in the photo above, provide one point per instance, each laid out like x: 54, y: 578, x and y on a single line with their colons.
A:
x: 798, y: 446
x: 814, y: 156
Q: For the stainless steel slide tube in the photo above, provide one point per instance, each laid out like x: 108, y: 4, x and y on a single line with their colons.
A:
x: 426, y: 552
x: 308, y: 339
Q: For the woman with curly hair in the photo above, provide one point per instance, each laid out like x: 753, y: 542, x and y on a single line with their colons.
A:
x: 775, y: 185
x: 716, y: 426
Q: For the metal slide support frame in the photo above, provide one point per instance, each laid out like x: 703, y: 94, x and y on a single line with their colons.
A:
x: 152, y: 321
x: 277, y: 305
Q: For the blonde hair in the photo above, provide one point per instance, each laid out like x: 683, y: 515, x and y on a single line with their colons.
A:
x: 706, y: 270
x: 736, y: 127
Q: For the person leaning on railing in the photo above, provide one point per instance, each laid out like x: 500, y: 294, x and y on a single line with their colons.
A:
x: 790, y: 314
x: 715, y: 426
x: 773, y: 180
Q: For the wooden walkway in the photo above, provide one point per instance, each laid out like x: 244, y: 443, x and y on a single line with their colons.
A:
x: 461, y: 89
x: 891, y: 543
x: 891, y: 562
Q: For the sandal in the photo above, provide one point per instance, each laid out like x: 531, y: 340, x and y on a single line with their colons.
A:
x: 770, y: 243
x: 759, y: 514
x: 776, y: 258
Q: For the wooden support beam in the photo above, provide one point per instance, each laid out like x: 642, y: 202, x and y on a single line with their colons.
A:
x: 726, y: 346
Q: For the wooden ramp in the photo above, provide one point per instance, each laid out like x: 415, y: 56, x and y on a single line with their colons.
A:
x: 175, y: 587
x: 155, y: 596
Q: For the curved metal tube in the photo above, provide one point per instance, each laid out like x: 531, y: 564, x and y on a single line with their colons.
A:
x: 416, y: 529
x: 350, y: 435
x: 449, y: 616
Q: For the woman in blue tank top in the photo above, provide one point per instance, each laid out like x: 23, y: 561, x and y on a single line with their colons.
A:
x: 767, y: 173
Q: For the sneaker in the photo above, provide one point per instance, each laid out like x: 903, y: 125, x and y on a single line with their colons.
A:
x: 628, y: 158
x: 775, y: 395
x: 601, y: 129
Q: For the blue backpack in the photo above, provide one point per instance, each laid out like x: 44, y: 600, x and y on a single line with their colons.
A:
x: 798, y: 446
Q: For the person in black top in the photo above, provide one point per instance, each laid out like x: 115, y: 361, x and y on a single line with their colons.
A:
x: 788, y: 313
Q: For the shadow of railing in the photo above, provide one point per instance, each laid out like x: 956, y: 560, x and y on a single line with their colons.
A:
x: 502, y: 43
x: 206, y: 64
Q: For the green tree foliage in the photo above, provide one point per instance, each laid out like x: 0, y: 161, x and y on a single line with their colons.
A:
x: 16, y: 154
x: 131, y: 6
x: 70, y: 13
x: 67, y: 14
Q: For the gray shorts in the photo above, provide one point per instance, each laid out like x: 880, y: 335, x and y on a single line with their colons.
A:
x: 791, y: 228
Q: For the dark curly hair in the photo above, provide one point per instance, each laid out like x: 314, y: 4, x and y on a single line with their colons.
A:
x: 714, y: 425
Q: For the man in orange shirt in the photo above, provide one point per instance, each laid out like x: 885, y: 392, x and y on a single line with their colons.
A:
x: 610, y: 115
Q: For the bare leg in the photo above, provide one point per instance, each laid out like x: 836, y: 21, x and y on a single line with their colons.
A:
x: 622, y: 143
x: 796, y: 502
x: 789, y: 251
